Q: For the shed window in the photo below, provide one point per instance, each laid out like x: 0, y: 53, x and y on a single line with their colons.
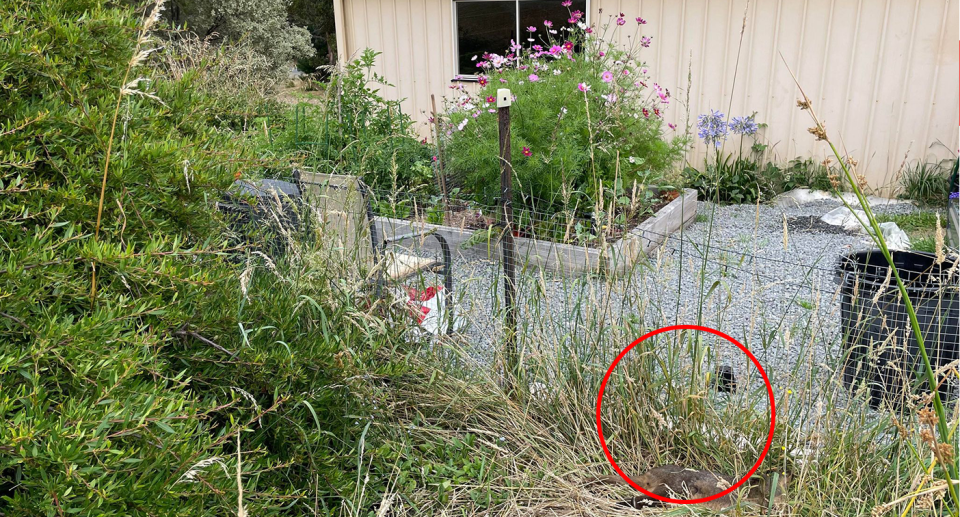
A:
x: 489, y: 25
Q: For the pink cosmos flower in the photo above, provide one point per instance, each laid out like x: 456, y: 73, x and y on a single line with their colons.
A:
x: 568, y: 46
x: 533, y: 78
x: 491, y: 99
x: 577, y: 14
x: 646, y: 112
x: 601, y: 54
x: 656, y: 112
x: 531, y: 29
x: 482, y: 80
x: 526, y: 151
x: 641, y: 21
x: 566, y: 3
x: 556, y: 49
x: 502, y: 80
x: 588, y: 30
x: 547, y: 23
x: 538, y: 48
x: 607, y: 76
x: 571, y: 20
x: 621, y: 21
x: 645, y: 41
x: 661, y: 92
x: 672, y: 125
x: 626, y: 71
x: 583, y: 87
x: 491, y: 110
x: 434, y: 157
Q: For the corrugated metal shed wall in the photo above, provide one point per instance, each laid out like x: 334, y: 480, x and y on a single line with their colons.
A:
x: 883, y: 74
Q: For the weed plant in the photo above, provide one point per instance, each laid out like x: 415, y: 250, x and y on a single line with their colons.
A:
x: 354, y: 130
x: 927, y: 183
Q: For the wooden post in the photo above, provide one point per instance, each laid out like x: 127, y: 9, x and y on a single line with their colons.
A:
x: 507, y: 245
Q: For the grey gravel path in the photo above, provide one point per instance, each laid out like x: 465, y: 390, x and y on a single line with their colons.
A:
x: 769, y: 272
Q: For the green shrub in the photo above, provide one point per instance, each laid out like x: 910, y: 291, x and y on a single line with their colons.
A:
x: 263, y: 24
x: 585, y: 112
x: 731, y: 180
x: 132, y: 400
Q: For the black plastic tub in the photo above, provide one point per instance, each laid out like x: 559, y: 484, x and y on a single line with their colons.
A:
x: 883, y: 356
x: 252, y: 211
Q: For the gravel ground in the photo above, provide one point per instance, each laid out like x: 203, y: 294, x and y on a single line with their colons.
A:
x: 769, y: 273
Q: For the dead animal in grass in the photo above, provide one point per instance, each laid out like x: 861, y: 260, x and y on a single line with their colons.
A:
x: 680, y: 483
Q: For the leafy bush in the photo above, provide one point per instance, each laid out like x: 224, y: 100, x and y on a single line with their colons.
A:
x: 263, y: 24
x: 730, y: 180
x: 139, y: 397
x: 585, y: 112
x: 356, y: 131
x: 741, y: 178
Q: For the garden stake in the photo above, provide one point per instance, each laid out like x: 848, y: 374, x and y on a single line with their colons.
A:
x: 507, y: 245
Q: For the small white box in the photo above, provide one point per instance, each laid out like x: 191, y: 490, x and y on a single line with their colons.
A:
x: 504, y: 98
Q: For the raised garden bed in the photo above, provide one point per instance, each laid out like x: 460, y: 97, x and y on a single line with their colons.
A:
x: 616, y: 256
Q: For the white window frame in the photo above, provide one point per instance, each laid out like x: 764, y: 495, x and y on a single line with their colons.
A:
x: 456, y: 42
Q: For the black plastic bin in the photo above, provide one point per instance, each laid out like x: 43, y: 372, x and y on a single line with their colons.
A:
x: 254, y: 216
x: 882, y: 348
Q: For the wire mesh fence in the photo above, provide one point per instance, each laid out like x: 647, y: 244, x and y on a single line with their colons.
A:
x: 781, y: 296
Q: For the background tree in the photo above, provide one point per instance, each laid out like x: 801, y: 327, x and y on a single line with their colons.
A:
x: 263, y: 23
x: 317, y: 17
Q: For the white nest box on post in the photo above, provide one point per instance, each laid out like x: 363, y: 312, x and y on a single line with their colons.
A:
x: 503, y: 98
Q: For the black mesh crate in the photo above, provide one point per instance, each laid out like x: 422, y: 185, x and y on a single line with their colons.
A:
x: 263, y: 213
x: 882, y: 348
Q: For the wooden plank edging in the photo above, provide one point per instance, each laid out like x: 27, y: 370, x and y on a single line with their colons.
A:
x: 565, y: 259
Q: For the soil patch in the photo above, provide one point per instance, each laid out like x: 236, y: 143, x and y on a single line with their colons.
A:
x: 813, y: 224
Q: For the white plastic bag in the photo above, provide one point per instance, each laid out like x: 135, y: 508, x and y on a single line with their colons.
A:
x: 427, y: 307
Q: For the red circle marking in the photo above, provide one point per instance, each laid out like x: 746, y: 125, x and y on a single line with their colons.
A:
x: 773, y: 414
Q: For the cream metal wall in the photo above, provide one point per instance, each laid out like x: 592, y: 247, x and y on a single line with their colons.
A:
x: 883, y: 74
